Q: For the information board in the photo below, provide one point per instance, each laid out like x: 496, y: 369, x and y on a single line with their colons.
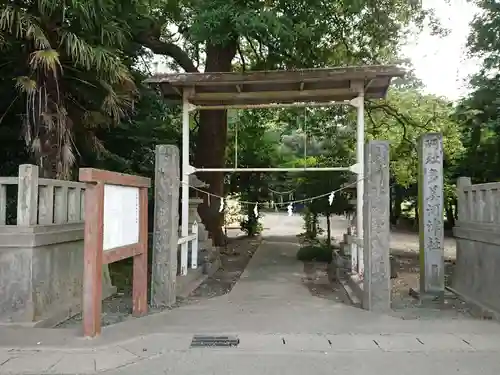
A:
x: 121, y: 216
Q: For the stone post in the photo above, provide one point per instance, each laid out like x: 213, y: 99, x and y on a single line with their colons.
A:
x: 430, y: 211
x: 462, y: 201
x: 27, y: 195
x: 166, y: 222
x: 376, y: 224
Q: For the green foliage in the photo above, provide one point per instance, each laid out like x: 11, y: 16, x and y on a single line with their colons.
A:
x: 402, y: 119
x: 479, y: 112
x: 311, y: 228
x: 251, y: 144
x: 129, y: 146
x: 483, y: 41
x: 251, y: 225
x: 69, y: 73
x: 318, y: 253
x: 276, y: 34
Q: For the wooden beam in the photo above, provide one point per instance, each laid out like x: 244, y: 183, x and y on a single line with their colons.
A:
x: 357, y: 86
x: 113, y: 178
x: 268, y: 95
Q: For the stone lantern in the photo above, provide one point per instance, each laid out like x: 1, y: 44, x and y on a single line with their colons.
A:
x: 204, y: 243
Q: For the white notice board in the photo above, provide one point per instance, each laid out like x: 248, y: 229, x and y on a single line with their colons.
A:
x: 121, y: 216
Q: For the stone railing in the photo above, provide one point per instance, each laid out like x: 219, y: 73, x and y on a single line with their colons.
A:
x: 41, y: 200
x: 41, y: 248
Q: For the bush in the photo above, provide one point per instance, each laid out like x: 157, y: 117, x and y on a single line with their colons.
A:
x: 232, y: 211
x: 315, y: 253
x: 251, y: 226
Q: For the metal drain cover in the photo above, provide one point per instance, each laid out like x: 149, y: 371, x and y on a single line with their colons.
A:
x: 200, y: 341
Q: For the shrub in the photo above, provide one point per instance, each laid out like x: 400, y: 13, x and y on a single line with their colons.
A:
x: 251, y: 226
x: 315, y: 253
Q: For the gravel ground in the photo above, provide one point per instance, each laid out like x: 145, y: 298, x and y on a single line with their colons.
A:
x: 316, y: 280
x: 407, y: 307
x: 118, y: 308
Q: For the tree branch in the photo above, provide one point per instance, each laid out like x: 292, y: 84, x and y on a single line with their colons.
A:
x: 258, y: 58
x: 240, y: 52
x: 152, y: 39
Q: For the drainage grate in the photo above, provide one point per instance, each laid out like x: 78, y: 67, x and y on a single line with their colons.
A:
x: 202, y: 341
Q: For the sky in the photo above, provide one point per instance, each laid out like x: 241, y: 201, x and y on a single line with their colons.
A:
x: 441, y: 62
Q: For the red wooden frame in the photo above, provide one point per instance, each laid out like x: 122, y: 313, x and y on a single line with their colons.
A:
x: 95, y: 257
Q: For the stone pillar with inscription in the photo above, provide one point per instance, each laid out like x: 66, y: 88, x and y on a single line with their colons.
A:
x: 376, y: 227
x: 430, y: 210
x: 166, y: 221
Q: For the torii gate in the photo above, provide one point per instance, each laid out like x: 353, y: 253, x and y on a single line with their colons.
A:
x: 272, y: 89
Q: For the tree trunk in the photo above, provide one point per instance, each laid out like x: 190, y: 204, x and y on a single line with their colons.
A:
x: 50, y: 128
x: 396, y: 210
x: 315, y: 226
x: 450, y: 217
x: 328, y: 230
x: 211, y: 144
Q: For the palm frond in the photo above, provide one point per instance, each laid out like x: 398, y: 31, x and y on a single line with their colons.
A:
x: 94, y: 89
x: 113, y: 34
x: 23, y: 25
x: 3, y: 41
x: 46, y: 60
x: 104, y: 62
x: 26, y: 84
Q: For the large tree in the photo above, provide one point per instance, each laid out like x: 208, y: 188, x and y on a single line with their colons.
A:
x: 65, y: 64
x: 273, y: 34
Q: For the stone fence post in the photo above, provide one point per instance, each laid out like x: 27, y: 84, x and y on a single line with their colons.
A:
x: 166, y: 222
x: 27, y: 195
x: 462, y: 203
x: 376, y: 226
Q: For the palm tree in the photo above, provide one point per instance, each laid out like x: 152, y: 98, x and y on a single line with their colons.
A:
x: 68, y: 71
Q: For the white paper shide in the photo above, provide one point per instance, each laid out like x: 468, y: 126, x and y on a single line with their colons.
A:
x: 121, y: 216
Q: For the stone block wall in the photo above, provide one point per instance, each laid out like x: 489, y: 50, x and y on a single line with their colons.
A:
x: 41, y: 253
x: 41, y: 273
x: 477, y: 231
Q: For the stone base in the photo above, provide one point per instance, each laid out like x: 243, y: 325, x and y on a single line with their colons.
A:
x: 185, y: 285
x: 477, y: 309
x: 338, y: 267
x: 64, y: 313
x: 394, y: 267
x: 427, y: 298
x: 205, y: 245
x: 355, y: 289
x: 345, y: 248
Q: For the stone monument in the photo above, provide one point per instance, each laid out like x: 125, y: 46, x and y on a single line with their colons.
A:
x: 376, y: 224
x: 166, y: 220
x: 431, y: 223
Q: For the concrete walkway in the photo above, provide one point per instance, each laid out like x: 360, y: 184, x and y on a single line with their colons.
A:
x: 282, y: 224
x: 282, y: 329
